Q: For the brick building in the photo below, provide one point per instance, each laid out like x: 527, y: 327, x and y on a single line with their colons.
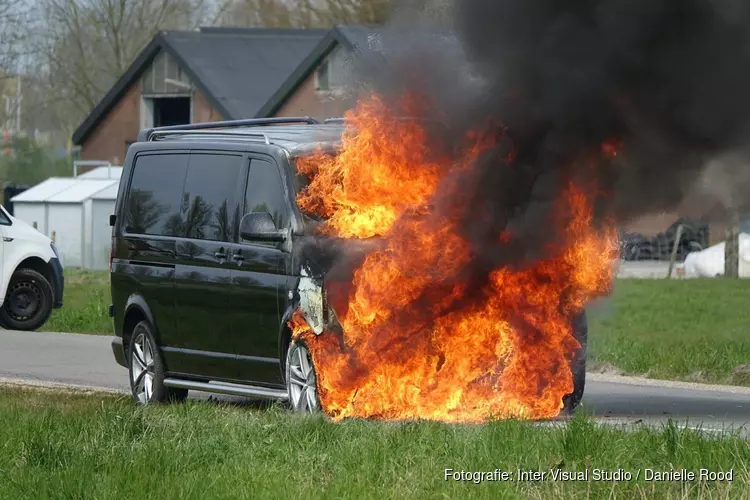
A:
x: 190, y: 77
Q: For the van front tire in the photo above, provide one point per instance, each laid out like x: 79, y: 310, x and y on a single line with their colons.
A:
x: 301, y: 380
x: 28, y: 301
x: 578, y: 366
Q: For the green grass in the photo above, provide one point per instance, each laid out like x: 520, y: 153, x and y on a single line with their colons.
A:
x: 86, y: 301
x: 56, y: 445
x: 694, y: 330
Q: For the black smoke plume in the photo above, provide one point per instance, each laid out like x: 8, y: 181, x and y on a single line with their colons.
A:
x: 666, y: 81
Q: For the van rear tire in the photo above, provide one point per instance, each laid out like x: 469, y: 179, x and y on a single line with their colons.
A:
x: 147, y: 370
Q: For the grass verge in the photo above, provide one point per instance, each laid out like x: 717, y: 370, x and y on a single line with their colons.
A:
x: 86, y: 299
x: 95, y: 446
x: 694, y: 330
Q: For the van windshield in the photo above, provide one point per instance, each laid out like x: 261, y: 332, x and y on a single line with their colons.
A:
x: 301, y: 181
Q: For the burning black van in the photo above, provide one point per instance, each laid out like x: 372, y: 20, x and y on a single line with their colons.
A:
x: 212, y: 258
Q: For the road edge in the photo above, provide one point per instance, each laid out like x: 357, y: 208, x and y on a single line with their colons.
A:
x: 590, y: 376
x: 58, y: 386
x: 672, y: 384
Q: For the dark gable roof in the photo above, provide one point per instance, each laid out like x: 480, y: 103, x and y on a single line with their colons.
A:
x: 240, y: 69
x: 235, y: 69
x: 352, y: 37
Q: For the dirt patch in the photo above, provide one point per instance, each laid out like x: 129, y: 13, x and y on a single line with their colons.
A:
x: 741, y: 375
x: 605, y: 369
x: 698, y: 376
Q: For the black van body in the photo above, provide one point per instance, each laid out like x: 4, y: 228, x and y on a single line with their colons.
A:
x: 215, y: 304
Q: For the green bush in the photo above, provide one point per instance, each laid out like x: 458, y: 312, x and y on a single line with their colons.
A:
x: 31, y: 163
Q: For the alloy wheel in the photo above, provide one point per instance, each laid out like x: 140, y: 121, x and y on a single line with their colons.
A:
x: 142, y: 361
x: 303, y: 387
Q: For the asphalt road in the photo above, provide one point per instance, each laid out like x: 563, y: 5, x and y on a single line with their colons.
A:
x: 86, y: 361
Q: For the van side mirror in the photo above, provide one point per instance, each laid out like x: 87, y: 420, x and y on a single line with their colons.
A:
x: 259, y: 226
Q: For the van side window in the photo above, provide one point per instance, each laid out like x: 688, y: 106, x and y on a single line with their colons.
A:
x: 210, y: 207
x: 155, y: 193
x: 265, y: 192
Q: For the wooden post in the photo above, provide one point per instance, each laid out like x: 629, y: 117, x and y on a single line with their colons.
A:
x: 675, y: 246
x: 732, y: 248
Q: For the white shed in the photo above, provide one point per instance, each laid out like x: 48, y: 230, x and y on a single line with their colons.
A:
x: 102, y: 206
x: 66, y: 210
x: 29, y: 206
x: 109, y: 172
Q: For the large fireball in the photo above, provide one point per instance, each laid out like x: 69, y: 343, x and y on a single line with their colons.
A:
x: 420, y: 341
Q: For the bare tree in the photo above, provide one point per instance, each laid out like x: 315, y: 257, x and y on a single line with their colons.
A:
x: 304, y: 13
x: 86, y: 45
x: 13, y: 15
x: 258, y: 13
x: 348, y: 11
x: 12, y: 23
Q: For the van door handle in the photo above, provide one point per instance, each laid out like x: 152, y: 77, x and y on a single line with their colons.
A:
x: 220, y: 254
x: 238, y: 257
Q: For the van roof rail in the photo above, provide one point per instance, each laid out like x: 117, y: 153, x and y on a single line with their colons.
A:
x: 149, y: 133
x: 210, y: 133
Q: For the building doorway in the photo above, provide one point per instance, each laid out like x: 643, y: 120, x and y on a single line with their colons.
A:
x: 166, y: 94
x: 171, y: 111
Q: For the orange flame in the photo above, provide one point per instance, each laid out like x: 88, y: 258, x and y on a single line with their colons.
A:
x: 363, y: 204
x: 411, y: 348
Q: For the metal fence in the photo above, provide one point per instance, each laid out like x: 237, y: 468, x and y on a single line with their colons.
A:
x: 680, y: 238
x: 661, y: 255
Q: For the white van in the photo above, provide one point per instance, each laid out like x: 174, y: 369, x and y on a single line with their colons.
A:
x: 31, y: 275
